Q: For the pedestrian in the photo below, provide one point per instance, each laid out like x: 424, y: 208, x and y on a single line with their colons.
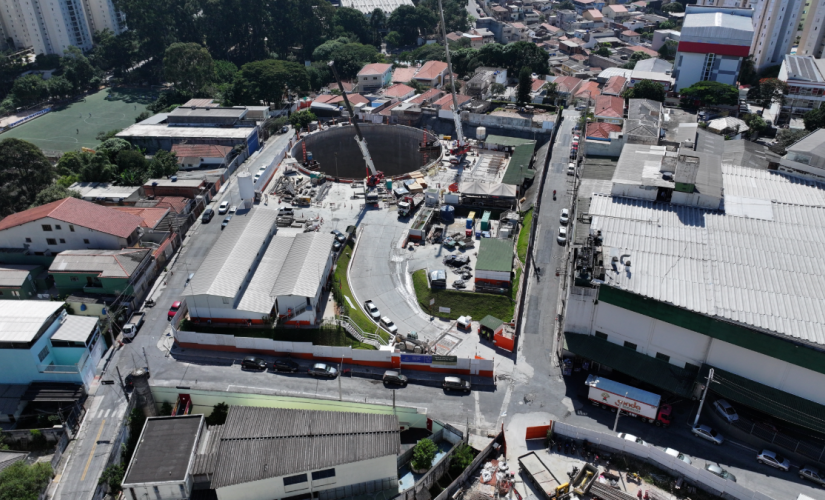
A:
x: 77, y: 131
x: 90, y: 115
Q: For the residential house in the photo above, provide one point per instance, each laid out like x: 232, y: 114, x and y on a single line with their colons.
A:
x: 632, y: 49
x: 515, y: 11
x: 476, y: 41
x: 660, y: 37
x: 615, y: 13
x: 728, y: 126
x: 17, y: 281
x: 530, y: 16
x: 609, y: 109
x: 583, y: 6
x: 349, y: 87
x: 151, y: 217
x: 630, y: 37
x: 399, y: 92
x: 615, y: 86
x: 432, y: 74
x: 202, y: 155
x: 106, y: 193
x: 500, y: 13
x: 445, y: 105
x: 637, y: 6
x: 602, y: 131
x: 566, y: 85
x: 374, y: 76
x: 480, y: 85
x: 806, y: 157
x: 404, y: 75
x: 486, y: 35
x: 427, y: 98
x: 644, y: 122
x: 518, y: 33
x: 41, y: 342
x: 587, y: 91
x: 186, y: 188
x: 653, y: 69
x: 69, y: 224
x: 566, y: 17
x: 805, y: 80
x: 126, y: 272
x: 593, y: 15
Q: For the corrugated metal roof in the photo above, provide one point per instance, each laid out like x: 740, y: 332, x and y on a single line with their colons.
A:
x: 495, y: 255
x: 226, y: 266
x: 802, y: 68
x: 762, y: 273
x: 812, y: 143
x: 717, y: 27
x: 257, y: 297
x: 261, y: 443
x: 107, y: 263
x: 15, y: 275
x: 303, y: 269
x: 367, y: 6
x: 20, y: 320
x: 76, y: 328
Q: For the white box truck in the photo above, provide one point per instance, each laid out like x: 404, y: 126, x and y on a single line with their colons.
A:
x: 633, y: 401
x: 131, y: 327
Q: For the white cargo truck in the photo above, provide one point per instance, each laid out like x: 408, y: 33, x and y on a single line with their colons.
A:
x: 633, y: 401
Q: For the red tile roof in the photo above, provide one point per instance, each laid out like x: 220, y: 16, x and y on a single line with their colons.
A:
x: 518, y: 26
x: 388, y: 110
x: 639, y: 48
x: 403, y: 75
x: 630, y: 33
x: 446, y: 102
x: 608, y: 106
x: 601, y: 129
x: 454, y: 36
x: 617, y: 8
x: 579, y: 57
x: 151, y: 216
x: 201, y: 150
x: 431, y: 70
x: 595, y: 14
x: 200, y: 103
x: 78, y: 212
x: 615, y: 85
x: 566, y: 84
x: 537, y: 85
x: 348, y: 86
x: 375, y: 69
x: 591, y: 88
x: 430, y: 94
x: 398, y: 90
x: 176, y: 203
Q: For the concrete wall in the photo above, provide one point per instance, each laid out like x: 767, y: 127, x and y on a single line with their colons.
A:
x: 610, y: 149
x: 15, y: 237
x: 506, y: 122
x: 633, y: 191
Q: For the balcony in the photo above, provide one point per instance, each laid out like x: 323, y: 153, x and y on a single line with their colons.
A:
x: 65, y: 369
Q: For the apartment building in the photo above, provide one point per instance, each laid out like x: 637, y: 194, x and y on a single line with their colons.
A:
x: 775, y: 24
x: 812, y: 25
x: 805, y: 78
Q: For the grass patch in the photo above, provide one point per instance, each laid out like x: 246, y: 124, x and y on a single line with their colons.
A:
x: 476, y: 305
x: 515, y: 287
x: 337, y: 337
x: 341, y: 289
x: 524, y: 236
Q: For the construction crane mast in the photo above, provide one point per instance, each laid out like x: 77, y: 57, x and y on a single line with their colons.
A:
x: 374, y: 177
x: 462, y: 147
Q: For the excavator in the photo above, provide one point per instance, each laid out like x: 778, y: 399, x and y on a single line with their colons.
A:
x: 374, y: 177
x: 462, y: 146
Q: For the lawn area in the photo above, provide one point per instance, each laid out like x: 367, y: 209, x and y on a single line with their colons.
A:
x: 524, y: 236
x: 343, y: 290
x: 476, y: 305
x: 514, y: 288
x: 324, y: 336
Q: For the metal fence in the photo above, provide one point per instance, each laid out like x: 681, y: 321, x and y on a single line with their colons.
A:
x: 482, y: 457
x: 806, y: 449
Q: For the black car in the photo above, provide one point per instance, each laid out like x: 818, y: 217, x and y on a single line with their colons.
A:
x: 253, y: 363
x: 207, y: 215
x: 456, y: 260
x: 226, y: 222
x: 339, y: 236
x: 392, y: 377
x: 456, y: 384
x: 323, y: 370
x: 285, y: 365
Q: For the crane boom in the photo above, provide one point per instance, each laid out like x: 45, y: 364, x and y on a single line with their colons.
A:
x: 458, y: 130
x: 359, y: 138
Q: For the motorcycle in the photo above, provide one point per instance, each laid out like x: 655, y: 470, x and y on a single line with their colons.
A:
x: 554, y: 194
x: 633, y: 476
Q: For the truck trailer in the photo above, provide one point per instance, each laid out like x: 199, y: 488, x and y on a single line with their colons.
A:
x: 635, y: 402
x: 409, y: 203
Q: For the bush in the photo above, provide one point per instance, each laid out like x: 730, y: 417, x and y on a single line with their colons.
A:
x: 166, y: 409
x: 38, y: 440
x: 462, y: 458
x: 113, y: 477
x: 218, y: 415
x: 424, y: 454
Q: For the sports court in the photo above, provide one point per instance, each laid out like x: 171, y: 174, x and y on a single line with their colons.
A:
x: 75, y: 125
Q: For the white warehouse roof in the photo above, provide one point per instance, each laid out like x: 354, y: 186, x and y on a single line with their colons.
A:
x: 20, y: 320
x: 718, y: 28
x: 367, y: 6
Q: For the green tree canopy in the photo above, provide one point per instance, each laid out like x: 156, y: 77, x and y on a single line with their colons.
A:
x: 115, y: 52
x: 394, y: 38
x: 525, y: 82
x: 266, y: 81
x: 163, y: 164
x: 785, y: 137
x: 423, y: 454
x: 52, y: 193
x: 712, y: 93
x: 58, y: 86
x: 218, y: 415
x: 351, y: 21
x: 29, y: 89
x: 188, y: 66
x: 673, y: 7
x: 646, y: 89
x: 566, y: 5
x: 77, y: 69
x: 814, y: 119
x: 768, y: 91
x: 24, y: 172
x: 755, y: 123
x: 21, y: 481
x: 99, y: 169
x: 409, y: 22
x: 634, y: 58
x: 72, y: 162
x: 302, y: 118
x: 522, y: 54
x: 378, y: 23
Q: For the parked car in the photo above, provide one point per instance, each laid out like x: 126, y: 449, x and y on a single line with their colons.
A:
x: 372, y: 310
x: 392, y: 377
x: 562, y: 237
x: 456, y: 260
x: 456, y: 384
x: 705, y: 432
x: 286, y: 211
x: 571, y: 168
x: 225, y: 222
x: 725, y: 410
x: 173, y: 310
x: 207, y: 215
x: 631, y: 437
x: 285, y: 365
x: 285, y: 129
x: 388, y: 325
x: 565, y: 216
x: 812, y: 474
x: 681, y: 456
x: 719, y: 471
x: 233, y: 209
x: 773, y: 459
x: 253, y: 363
x: 339, y: 236
x: 223, y: 208
x: 323, y: 370
x: 257, y: 176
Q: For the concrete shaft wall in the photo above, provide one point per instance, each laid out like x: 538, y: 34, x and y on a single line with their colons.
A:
x: 394, y: 150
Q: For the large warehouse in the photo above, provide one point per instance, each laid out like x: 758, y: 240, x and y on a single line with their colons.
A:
x: 251, y: 276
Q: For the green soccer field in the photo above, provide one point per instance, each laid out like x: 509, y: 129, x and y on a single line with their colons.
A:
x: 74, y: 126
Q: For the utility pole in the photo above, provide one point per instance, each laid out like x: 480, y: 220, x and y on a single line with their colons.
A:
x: 618, y: 412
x: 340, y: 375
x: 704, y: 394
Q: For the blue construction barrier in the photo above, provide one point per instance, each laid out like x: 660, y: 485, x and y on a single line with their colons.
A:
x: 33, y: 115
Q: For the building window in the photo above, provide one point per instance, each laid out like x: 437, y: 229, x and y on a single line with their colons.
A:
x: 71, y: 228
x: 601, y: 335
x: 46, y: 227
x: 85, y: 241
x: 57, y: 227
x: 691, y: 368
x: 51, y: 241
x: 62, y: 240
x: 663, y: 357
x: 323, y: 474
x: 15, y: 293
x: 73, y: 278
x: 43, y: 353
x: 28, y: 240
x: 630, y: 345
x: 298, y: 479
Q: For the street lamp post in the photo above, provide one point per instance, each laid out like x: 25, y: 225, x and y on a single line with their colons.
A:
x: 618, y: 412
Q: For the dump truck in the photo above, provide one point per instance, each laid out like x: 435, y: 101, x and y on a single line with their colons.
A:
x: 543, y: 480
x: 409, y: 203
x: 631, y: 400
x: 133, y: 325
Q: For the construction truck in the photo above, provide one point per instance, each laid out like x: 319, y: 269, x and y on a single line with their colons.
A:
x: 409, y: 203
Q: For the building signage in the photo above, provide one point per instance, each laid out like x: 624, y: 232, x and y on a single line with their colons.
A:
x: 444, y: 310
x: 445, y: 360
x: 416, y: 358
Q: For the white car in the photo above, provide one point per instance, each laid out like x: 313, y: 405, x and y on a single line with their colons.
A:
x: 681, y: 456
x: 571, y: 168
x: 769, y: 457
x: 565, y: 216
x: 372, y: 310
x: 562, y: 237
x: 257, y: 176
x: 705, y: 432
x: 576, y: 138
x: 233, y: 209
x: 223, y: 208
x: 631, y: 437
x: 725, y: 410
x: 388, y: 325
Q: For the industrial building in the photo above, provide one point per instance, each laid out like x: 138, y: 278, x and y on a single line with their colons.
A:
x: 266, y: 453
x: 494, y: 268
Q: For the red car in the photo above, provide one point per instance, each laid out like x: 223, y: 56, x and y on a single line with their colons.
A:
x: 173, y: 310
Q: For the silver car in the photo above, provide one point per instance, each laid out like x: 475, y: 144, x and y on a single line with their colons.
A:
x: 681, y: 456
x: 812, y: 474
x: 323, y: 370
x: 725, y: 410
x: 773, y: 459
x: 719, y: 471
x: 705, y: 432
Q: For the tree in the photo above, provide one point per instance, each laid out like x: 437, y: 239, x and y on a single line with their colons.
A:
x: 77, y: 69
x: 351, y: 21
x: 410, y: 22
x: 378, y: 23
x: 668, y: 49
x: 768, y: 91
x: 224, y: 72
x: 112, y: 476
x: 423, y: 455
x: 267, y: 81
x: 566, y: 5
x: 712, y: 93
x: 20, y: 481
x: 634, y: 58
x: 522, y: 54
x: 109, y: 134
x: 602, y: 50
x: 668, y: 25
x: 99, y: 169
x: 218, y: 416
x: 163, y: 164
x: 53, y: 193
x: 29, y: 89
x: 58, y: 86
x: 673, y: 7
x: 646, y: 89
x: 301, y: 119
x: 72, y: 162
x: 465, y: 61
x: 112, y: 147
x: 24, y: 172
x: 785, y: 137
x: 456, y: 17
x: 394, y: 39
x: 116, y: 52
x: 497, y: 88
x: 165, y: 409
x: 525, y: 83
x: 188, y: 66
x: 755, y: 123
x: 131, y: 160
x: 747, y: 71
x: 143, y: 115
x: 814, y: 119
x: 462, y: 458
